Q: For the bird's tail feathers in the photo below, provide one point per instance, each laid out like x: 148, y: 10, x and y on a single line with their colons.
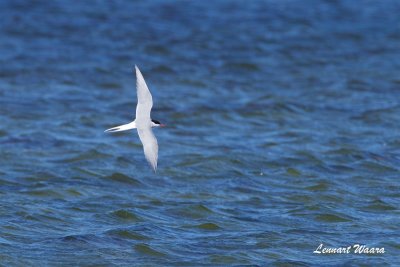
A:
x: 121, y: 128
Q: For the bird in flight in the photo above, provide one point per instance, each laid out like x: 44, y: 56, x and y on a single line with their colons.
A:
x: 143, y: 122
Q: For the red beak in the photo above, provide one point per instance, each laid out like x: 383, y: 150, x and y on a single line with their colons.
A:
x: 163, y: 125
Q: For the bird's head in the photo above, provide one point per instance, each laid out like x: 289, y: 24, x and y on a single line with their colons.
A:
x: 155, y: 123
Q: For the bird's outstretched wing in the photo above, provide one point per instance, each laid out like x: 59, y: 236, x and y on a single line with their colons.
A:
x: 145, y: 101
x: 150, y: 145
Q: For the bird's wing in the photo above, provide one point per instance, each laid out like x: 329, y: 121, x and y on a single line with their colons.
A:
x: 145, y: 101
x: 150, y: 145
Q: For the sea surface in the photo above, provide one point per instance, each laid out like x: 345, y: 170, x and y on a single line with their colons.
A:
x: 283, y: 133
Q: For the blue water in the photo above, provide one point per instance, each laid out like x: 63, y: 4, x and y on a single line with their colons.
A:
x: 283, y: 132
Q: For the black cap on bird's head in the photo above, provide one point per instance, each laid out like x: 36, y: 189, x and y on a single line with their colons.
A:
x: 157, y: 123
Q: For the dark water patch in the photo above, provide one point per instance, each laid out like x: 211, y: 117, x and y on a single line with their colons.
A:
x: 128, y: 234
x: 122, y: 178
x: 157, y: 49
x: 89, y: 121
x: 244, y: 66
x: 44, y: 193
x: 125, y: 215
x: 92, y: 154
x: 378, y: 167
x: 162, y: 69
x: 192, y: 211
x: 207, y: 226
x: 83, y: 239
x: 83, y: 171
x: 110, y: 85
x: 318, y: 187
x: 332, y: 218
x: 149, y: 251
x: 42, y: 177
x: 293, y: 172
x: 74, y: 192
x: 42, y: 216
x: 299, y: 198
x: 101, y: 70
x: 223, y: 259
x: 379, y: 206
x: 191, y: 83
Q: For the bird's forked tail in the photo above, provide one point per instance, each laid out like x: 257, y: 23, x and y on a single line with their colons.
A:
x: 121, y: 128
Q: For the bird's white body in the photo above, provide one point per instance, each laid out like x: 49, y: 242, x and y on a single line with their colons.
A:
x: 143, y: 122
